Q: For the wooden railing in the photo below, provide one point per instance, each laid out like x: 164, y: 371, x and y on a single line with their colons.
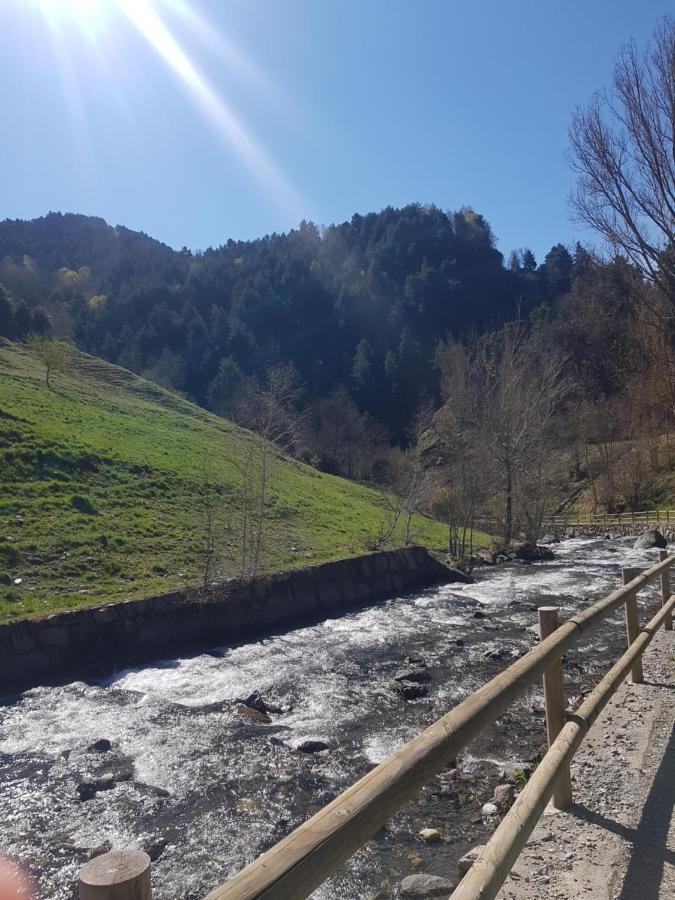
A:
x: 303, y: 860
x: 643, y: 517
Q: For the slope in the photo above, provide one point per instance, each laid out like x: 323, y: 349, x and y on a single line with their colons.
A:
x: 100, y: 494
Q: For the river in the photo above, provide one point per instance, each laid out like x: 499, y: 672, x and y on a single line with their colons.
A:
x: 205, y: 791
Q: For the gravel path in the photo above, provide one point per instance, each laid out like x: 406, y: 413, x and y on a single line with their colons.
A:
x: 618, y: 840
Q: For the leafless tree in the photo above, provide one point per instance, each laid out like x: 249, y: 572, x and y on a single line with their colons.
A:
x: 271, y: 412
x: 210, y: 525
x: 622, y: 148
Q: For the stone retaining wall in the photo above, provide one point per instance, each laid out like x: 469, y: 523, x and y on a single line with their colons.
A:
x: 98, y: 639
x: 617, y: 531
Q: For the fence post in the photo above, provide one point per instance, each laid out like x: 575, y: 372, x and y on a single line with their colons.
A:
x: 632, y: 622
x: 117, y: 875
x: 554, y: 700
x: 665, y: 590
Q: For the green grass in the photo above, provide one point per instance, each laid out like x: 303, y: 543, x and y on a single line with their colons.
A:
x: 99, y: 491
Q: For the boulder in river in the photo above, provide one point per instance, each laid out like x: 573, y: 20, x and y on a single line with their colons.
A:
x: 103, y: 745
x: 465, y: 862
x: 411, y: 690
x: 253, y: 715
x: 256, y: 702
x: 312, y: 747
x: 503, y: 795
x: 89, y: 787
x: 651, y: 538
x: 430, y: 835
x: 420, y: 675
x: 421, y: 886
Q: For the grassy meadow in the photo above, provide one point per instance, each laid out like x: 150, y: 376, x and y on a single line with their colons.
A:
x: 100, y: 495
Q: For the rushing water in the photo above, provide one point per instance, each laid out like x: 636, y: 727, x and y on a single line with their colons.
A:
x: 205, y: 792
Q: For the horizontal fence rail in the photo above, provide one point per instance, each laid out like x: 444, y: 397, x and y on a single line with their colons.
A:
x: 644, y: 517
x: 303, y: 860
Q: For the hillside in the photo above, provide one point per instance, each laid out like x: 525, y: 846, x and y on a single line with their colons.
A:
x: 361, y: 304
x: 101, y: 490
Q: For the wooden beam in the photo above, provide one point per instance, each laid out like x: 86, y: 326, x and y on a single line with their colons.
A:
x: 632, y: 621
x: 665, y: 590
x: 554, y: 701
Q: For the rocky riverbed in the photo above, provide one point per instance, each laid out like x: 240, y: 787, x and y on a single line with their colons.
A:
x: 182, y: 759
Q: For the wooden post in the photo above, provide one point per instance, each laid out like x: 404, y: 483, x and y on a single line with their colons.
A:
x: 632, y: 622
x: 665, y: 590
x: 118, y: 875
x: 554, y: 700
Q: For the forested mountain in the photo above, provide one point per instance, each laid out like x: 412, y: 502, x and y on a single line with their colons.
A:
x: 361, y: 305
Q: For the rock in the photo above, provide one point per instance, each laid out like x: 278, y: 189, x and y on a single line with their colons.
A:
x: 421, y: 676
x: 420, y: 886
x: 489, y: 809
x: 312, y: 747
x: 105, y: 847
x: 503, y: 795
x: 253, y: 715
x: 256, y: 702
x: 430, y: 835
x: 155, y: 848
x: 651, y: 538
x: 532, y: 552
x: 457, y: 575
x: 89, y: 787
x: 100, y: 746
x: 477, y: 614
x: 411, y: 690
x: 465, y: 862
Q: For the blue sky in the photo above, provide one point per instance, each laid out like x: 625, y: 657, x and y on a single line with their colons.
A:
x: 213, y: 119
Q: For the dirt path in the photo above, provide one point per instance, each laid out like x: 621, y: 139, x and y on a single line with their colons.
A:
x: 618, y: 840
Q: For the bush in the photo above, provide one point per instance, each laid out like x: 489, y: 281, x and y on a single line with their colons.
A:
x: 83, y: 505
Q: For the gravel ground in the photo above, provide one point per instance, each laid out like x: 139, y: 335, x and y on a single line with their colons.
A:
x: 617, y: 842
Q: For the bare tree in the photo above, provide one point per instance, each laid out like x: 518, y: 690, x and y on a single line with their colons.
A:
x: 622, y: 147
x: 210, y: 525
x: 270, y: 411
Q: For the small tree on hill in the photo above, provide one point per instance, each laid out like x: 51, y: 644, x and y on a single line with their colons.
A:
x: 54, y: 355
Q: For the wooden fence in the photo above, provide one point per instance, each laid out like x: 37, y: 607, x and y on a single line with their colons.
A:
x: 644, y: 517
x: 303, y: 860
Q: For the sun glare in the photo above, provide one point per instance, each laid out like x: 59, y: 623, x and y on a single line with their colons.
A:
x: 82, y: 12
x: 162, y: 24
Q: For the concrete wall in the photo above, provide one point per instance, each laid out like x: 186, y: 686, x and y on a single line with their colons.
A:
x: 99, y: 639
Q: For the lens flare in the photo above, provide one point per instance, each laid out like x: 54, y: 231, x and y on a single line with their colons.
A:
x: 150, y: 18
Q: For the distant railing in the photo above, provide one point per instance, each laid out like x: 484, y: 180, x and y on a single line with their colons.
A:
x: 304, y: 859
x: 644, y: 517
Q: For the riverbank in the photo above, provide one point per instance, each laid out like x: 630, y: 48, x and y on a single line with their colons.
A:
x: 98, y: 639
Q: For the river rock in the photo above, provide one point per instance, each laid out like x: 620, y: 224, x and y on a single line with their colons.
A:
x: 253, y: 715
x: 503, y: 795
x: 430, y: 835
x: 411, y: 690
x: 489, y: 809
x: 651, y: 538
x: 103, y: 745
x: 312, y: 747
x: 465, y: 862
x: 420, y: 886
x: 89, y: 787
x: 459, y: 576
x: 256, y: 702
x: 420, y: 675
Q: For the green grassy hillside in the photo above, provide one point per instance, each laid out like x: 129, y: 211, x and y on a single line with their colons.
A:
x: 99, y: 490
